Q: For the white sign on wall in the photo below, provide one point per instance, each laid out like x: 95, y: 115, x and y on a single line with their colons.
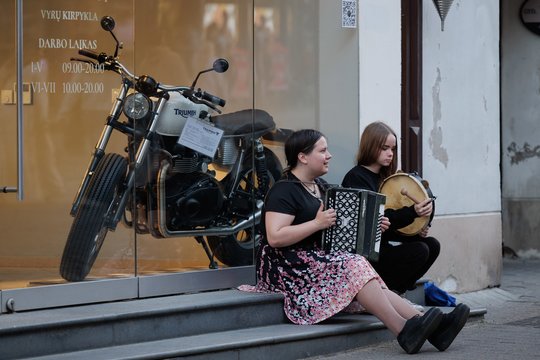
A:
x: 348, y: 13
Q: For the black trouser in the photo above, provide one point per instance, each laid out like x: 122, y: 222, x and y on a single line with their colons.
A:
x: 402, y: 265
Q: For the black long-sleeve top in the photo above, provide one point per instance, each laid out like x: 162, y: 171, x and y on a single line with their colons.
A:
x: 360, y: 177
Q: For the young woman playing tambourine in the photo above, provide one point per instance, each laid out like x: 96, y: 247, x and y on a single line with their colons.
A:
x: 404, y: 258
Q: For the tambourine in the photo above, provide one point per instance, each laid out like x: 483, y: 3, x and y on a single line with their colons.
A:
x: 403, y: 190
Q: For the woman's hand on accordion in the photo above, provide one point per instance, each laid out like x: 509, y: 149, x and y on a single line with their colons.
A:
x: 385, y: 223
x: 325, y: 218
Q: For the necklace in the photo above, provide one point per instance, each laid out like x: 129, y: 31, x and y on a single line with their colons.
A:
x: 314, y: 191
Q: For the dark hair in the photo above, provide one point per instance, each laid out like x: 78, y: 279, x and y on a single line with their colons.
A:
x: 301, y: 141
x: 372, y: 140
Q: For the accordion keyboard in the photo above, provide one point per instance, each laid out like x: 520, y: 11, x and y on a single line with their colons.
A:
x: 358, y: 223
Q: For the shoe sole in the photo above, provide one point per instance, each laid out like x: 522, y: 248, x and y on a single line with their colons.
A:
x: 445, y: 338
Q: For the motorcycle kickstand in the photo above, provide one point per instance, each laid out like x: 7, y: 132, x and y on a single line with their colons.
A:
x: 201, y: 240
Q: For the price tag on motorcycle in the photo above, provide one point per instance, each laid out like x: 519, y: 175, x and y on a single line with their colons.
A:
x: 200, y: 136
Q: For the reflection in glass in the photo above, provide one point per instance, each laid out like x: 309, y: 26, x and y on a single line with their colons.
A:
x: 278, y: 65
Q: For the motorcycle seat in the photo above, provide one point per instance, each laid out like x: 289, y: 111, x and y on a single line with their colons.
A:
x: 240, y: 122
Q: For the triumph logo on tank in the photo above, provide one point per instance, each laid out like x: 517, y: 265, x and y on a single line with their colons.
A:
x: 185, y: 113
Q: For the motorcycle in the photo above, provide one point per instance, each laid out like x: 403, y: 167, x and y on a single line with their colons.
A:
x: 166, y: 185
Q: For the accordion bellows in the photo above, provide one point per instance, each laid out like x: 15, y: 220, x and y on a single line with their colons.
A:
x: 358, y: 224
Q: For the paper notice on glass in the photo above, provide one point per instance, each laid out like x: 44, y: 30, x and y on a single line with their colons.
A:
x: 200, y: 136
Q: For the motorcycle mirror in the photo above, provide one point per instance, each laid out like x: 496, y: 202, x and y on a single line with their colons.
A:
x: 220, y: 65
x: 107, y: 23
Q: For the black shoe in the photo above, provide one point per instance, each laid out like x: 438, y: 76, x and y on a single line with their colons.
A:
x: 417, y: 329
x: 450, y: 326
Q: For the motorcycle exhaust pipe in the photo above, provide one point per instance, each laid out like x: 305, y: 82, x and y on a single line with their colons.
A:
x: 212, y: 231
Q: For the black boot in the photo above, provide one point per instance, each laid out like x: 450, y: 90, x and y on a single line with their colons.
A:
x: 450, y: 326
x: 417, y: 329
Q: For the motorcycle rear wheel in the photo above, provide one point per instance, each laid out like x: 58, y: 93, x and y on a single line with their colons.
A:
x: 88, y: 230
x: 240, y: 248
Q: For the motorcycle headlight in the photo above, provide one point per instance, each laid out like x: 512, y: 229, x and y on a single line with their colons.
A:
x: 137, y: 106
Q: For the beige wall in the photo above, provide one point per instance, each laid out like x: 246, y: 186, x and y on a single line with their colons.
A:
x: 470, y: 258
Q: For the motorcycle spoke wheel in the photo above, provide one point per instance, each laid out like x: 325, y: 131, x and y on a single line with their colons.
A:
x: 239, y: 249
x: 88, y: 230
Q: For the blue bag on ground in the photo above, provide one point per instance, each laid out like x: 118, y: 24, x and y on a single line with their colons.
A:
x: 436, y: 296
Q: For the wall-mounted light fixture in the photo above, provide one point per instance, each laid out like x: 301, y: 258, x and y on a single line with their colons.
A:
x: 443, y: 6
x: 530, y: 15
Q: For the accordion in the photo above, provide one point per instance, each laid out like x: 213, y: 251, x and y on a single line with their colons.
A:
x: 357, y: 230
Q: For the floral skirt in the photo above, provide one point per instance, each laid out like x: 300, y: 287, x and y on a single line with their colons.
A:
x: 315, y: 284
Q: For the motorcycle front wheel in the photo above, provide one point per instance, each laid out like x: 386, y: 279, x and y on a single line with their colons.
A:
x: 88, y: 230
x: 239, y: 249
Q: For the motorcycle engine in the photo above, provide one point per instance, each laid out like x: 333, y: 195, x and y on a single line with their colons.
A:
x: 192, y: 200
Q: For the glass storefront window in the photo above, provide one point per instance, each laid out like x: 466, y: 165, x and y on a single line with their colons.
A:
x: 291, y: 60
x: 64, y: 105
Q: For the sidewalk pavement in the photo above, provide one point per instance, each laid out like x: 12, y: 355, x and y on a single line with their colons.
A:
x: 509, y: 330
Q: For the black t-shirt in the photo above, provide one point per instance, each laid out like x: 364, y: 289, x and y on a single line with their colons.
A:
x: 288, y: 196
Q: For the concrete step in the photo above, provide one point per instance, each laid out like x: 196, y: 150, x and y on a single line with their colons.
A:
x: 417, y: 295
x: 54, y: 331
x: 280, y: 341
x: 212, y: 325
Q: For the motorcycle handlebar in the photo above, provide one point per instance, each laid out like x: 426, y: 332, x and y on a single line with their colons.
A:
x: 114, y: 64
x: 213, y: 99
x: 90, y: 54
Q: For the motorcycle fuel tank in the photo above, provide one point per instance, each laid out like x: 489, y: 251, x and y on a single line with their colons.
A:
x: 175, y: 113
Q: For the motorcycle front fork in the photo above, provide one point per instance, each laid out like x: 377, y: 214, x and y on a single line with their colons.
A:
x: 116, y: 211
x: 99, y: 150
x: 140, y: 157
